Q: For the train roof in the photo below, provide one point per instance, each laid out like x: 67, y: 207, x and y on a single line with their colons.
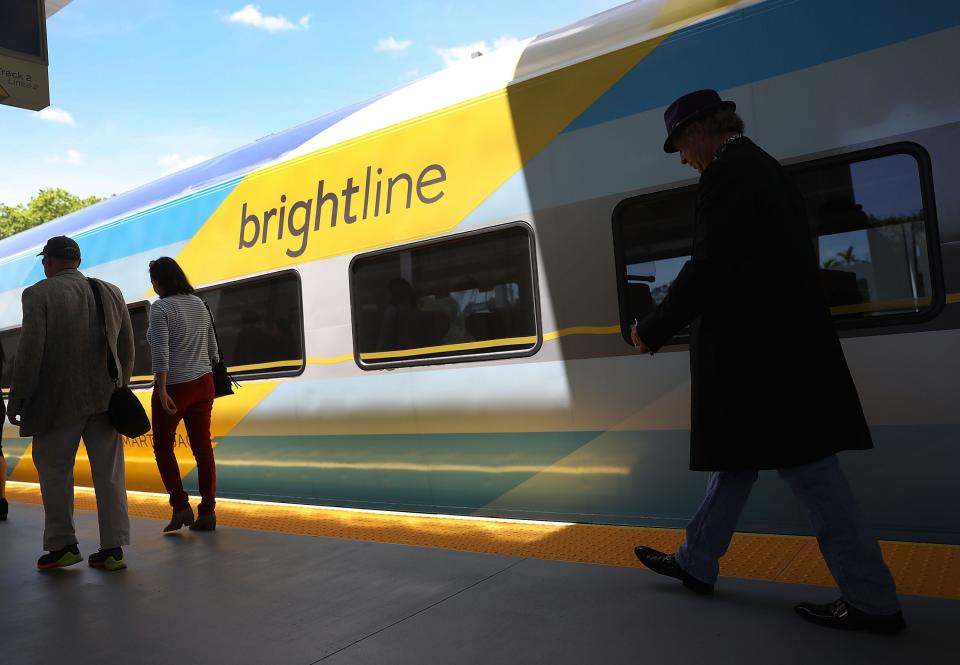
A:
x: 631, y: 23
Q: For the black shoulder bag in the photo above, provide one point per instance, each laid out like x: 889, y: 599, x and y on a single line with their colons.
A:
x: 222, y: 381
x: 126, y: 413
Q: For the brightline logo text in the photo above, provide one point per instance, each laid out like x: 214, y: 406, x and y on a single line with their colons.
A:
x: 298, y: 217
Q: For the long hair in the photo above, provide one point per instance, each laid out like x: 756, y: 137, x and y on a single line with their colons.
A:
x: 170, y: 277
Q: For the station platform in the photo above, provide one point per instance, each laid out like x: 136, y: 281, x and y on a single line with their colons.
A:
x: 279, y: 584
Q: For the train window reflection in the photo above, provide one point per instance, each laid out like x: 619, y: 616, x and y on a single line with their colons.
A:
x: 460, y: 298
x: 139, y: 318
x: 868, y: 220
x: 9, y: 340
x: 654, y: 237
x: 871, y: 226
x: 259, y: 324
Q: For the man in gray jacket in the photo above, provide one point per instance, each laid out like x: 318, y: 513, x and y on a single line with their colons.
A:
x: 61, y: 390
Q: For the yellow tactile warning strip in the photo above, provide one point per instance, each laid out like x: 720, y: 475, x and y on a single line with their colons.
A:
x: 921, y: 569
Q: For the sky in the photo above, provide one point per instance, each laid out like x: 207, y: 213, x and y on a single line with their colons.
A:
x: 142, y: 89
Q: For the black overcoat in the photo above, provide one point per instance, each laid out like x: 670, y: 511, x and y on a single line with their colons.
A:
x: 770, y: 385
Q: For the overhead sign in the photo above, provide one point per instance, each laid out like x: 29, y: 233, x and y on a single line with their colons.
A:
x: 23, y: 54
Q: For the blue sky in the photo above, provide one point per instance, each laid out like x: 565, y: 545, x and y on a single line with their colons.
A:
x: 140, y: 89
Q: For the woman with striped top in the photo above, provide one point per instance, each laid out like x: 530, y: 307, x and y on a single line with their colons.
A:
x: 183, y: 349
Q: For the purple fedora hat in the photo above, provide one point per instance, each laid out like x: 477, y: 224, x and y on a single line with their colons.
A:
x: 692, y: 106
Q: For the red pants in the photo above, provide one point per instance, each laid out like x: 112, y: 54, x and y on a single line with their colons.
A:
x: 194, y: 400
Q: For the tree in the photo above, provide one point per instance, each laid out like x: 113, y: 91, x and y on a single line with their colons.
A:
x: 847, y: 256
x: 48, y: 204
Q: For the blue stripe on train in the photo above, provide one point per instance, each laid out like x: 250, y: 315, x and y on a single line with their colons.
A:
x: 761, y: 42
x: 234, y: 163
x: 158, y: 227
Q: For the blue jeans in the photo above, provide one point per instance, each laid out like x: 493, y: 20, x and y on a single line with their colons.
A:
x: 852, y: 554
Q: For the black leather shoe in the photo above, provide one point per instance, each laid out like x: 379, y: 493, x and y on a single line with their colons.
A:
x: 666, y: 564
x: 4, y: 507
x: 839, y: 614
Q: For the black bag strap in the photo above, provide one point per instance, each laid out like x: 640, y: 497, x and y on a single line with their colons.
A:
x: 214, y: 326
x: 111, y: 363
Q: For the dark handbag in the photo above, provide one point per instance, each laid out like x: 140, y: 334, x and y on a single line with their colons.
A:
x: 223, y: 383
x: 3, y: 405
x: 125, y: 411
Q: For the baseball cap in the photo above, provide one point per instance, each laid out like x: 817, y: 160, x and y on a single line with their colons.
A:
x: 61, y: 247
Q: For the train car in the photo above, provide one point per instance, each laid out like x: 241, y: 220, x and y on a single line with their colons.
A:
x: 426, y: 296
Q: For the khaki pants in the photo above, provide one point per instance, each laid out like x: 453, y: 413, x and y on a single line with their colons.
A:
x: 54, y: 454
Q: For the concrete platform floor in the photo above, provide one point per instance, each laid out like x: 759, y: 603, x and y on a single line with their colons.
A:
x: 239, y: 596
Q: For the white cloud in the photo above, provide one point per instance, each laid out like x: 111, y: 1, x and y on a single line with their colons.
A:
x: 176, y: 162
x: 252, y: 16
x: 52, y: 114
x: 505, y: 41
x: 70, y: 158
x: 457, y: 54
x: 392, y: 45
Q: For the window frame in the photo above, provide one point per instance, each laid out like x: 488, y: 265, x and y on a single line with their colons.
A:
x: 931, y: 228
x: 801, y: 165
x: 621, y: 266
x: 199, y: 292
x: 5, y: 390
x: 466, y: 357
x: 149, y: 381
x: 256, y: 375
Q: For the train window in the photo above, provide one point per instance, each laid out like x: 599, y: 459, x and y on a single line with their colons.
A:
x: 654, y: 236
x: 139, y: 318
x: 870, y: 219
x: 873, y: 234
x: 468, y: 297
x: 260, y: 324
x: 9, y: 340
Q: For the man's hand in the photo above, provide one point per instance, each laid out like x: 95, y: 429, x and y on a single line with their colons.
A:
x: 635, y: 338
x: 13, y: 412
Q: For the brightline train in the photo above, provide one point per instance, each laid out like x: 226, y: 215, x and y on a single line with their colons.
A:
x: 426, y: 296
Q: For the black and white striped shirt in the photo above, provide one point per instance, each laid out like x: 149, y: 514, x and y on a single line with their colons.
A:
x: 181, y: 338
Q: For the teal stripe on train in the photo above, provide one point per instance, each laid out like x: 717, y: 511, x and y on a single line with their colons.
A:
x: 458, y: 472
x: 13, y: 449
x: 906, y: 485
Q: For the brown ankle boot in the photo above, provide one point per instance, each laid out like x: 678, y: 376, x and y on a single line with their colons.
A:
x: 206, y: 522
x: 180, y: 518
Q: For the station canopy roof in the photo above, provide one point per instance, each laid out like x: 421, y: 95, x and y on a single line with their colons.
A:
x: 53, y: 6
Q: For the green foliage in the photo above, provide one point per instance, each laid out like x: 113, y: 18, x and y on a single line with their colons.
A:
x: 46, y: 205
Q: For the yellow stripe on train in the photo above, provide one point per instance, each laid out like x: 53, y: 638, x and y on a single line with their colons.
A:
x: 416, y: 179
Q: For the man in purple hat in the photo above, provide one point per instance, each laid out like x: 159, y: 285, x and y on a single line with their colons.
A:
x: 782, y: 399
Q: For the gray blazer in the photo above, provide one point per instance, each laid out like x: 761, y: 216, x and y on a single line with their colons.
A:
x: 60, y: 370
